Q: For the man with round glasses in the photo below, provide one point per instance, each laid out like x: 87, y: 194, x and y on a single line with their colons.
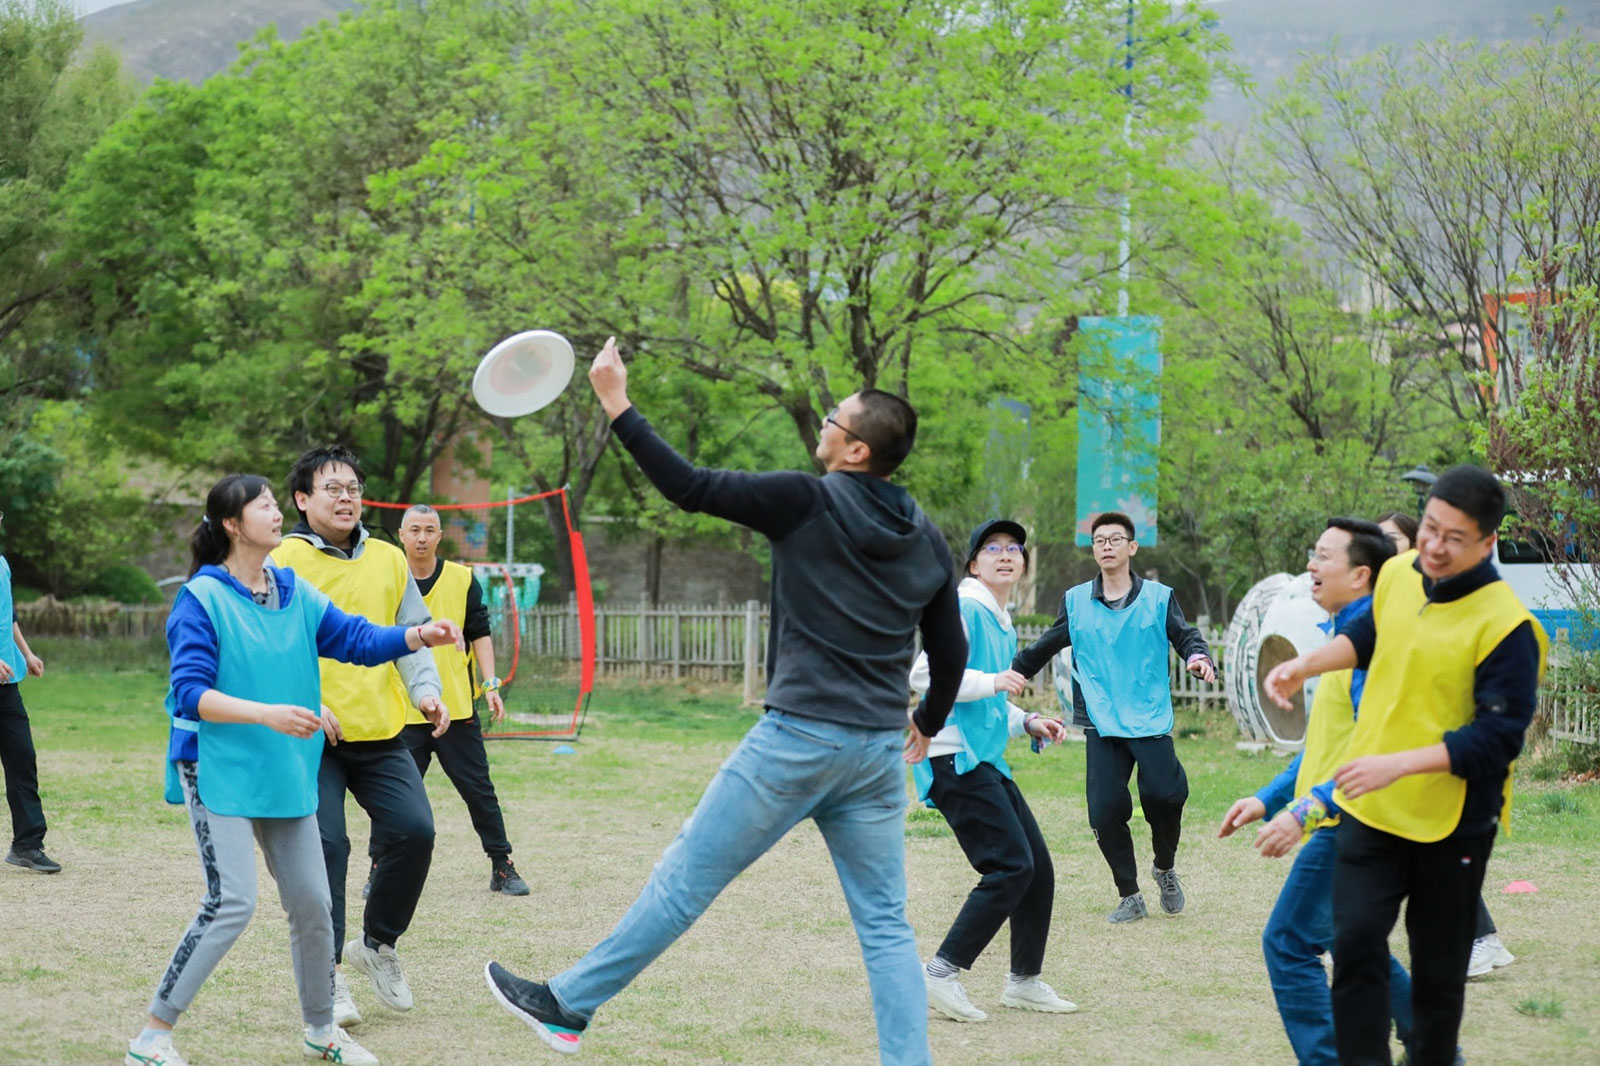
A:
x: 331, y: 548
x: 1119, y: 626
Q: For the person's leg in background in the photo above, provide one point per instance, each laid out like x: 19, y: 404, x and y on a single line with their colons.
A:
x: 1108, y: 766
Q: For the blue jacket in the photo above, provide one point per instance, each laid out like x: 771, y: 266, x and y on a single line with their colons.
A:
x: 1279, y: 793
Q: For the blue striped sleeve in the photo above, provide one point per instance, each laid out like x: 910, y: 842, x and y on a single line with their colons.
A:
x: 350, y: 638
x: 1280, y: 790
x: 192, y: 642
x: 1324, y: 795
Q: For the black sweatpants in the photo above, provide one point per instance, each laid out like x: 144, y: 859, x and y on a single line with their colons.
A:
x: 1441, y: 884
x: 466, y: 764
x: 21, y: 769
x: 1485, y: 925
x: 992, y: 823
x: 1163, y: 790
x: 383, y: 778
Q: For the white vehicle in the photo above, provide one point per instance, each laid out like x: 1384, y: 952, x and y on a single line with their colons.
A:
x: 1539, y: 579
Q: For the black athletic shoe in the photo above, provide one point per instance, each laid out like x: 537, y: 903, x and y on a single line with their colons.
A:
x: 505, y: 879
x: 533, y: 1003
x: 33, y: 858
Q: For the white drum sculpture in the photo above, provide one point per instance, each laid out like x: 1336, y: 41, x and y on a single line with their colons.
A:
x: 1276, y: 620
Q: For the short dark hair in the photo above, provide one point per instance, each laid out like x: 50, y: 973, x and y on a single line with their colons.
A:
x: 1406, y: 524
x: 1113, y: 518
x: 305, y: 468
x: 1475, y: 491
x: 887, y: 425
x: 209, y: 544
x: 1368, y: 545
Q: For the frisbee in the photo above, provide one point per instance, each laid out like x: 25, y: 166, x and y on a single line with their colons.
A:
x: 523, y: 373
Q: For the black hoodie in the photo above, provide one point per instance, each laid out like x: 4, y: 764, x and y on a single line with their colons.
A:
x: 856, y: 569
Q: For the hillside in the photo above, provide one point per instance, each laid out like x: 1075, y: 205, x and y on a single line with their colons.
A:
x: 190, y: 40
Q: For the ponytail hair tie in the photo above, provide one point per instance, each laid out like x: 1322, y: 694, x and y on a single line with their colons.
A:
x: 205, y: 519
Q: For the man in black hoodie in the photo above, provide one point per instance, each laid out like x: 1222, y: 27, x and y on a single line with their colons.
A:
x: 856, y: 569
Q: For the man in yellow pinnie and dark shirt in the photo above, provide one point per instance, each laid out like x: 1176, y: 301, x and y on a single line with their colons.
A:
x: 1453, y: 662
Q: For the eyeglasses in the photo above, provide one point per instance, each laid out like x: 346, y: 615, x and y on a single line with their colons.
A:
x: 335, y: 490
x: 1315, y: 556
x: 833, y: 417
x: 1115, y: 540
x: 1008, y: 549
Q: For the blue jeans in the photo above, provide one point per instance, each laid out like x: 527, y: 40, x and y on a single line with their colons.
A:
x: 1298, y: 932
x: 851, y: 782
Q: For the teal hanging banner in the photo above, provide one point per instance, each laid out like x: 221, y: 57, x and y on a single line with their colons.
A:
x: 1119, y: 421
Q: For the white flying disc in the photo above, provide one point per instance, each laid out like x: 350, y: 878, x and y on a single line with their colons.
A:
x: 523, y: 373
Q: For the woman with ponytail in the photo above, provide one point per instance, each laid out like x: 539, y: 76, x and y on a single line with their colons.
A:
x: 248, y: 730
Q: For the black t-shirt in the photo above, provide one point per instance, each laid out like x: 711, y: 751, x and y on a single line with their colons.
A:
x: 476, y: 623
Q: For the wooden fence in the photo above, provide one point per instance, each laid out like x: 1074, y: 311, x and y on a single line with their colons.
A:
x: 1570, y: 697
x: 52, y: 618
x: 721, y: 643
x: 725, y: 642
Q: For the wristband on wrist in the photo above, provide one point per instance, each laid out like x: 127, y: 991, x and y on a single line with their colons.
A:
x: 1309, y: 812
x: 491, y: 685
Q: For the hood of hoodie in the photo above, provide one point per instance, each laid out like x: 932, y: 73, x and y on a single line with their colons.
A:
x: 306, y: 533
x: 879, y: 518
x: 973, y: 589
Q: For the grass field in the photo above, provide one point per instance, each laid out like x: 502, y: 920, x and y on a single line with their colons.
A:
x: 771, y: 974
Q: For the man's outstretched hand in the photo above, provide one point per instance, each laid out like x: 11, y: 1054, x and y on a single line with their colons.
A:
x: 609, y: 378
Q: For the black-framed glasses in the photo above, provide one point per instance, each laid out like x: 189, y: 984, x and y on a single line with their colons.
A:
x: 335, y: 490
x: 833, y: 417
x: 1115, y: 540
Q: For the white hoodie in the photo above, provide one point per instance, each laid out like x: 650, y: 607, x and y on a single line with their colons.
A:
x: 975, y: 684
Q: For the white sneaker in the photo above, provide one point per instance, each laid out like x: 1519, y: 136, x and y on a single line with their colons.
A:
x: 1034, y: 994
x: 946, y: 996
x: 1488, y: 954
x: 344, y: 1004
x: 160, y: 1052
x: 340, y: 1049
x: 383, y: 967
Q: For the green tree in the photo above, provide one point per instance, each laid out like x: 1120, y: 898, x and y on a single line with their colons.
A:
x: 1437, y: 173
x: 842, y: 191
x: 53, y: 105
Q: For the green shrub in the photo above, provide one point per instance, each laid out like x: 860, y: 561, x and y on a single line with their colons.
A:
x: 125, y: 583
x: 23, y: 594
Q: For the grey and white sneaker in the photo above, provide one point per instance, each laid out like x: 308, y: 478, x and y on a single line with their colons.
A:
x: 1034, y: 994
x: 337, y: 1048
x: 1488, y: 954
x: 159, y: 1052
x: 1171, y: 889
x: 344, y: 1004
x: 383, y: 967
x: 946, y: 996
x: 1131, y: 909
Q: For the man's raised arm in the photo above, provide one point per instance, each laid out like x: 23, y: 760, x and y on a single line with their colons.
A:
x: 773, y: 504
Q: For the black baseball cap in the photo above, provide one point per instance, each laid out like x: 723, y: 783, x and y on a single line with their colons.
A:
x: 989, y: 529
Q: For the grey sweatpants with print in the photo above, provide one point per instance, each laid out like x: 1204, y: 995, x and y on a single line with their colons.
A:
x: 293, y: 850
